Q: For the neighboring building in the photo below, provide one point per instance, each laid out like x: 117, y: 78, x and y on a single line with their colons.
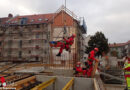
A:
x: 121, y: 49
x: 2, y: 30
x: 86, y: 40
x: 26, y: 38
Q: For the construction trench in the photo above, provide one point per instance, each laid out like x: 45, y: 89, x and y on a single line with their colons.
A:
x: 31, y: 76
x: 39, y: 82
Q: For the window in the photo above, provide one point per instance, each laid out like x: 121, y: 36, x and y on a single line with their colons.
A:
x: 20, y: 43
x: 0, y: 43
x: 29, y: 51
x: 10, y: 32
x: 15, y: 21
x: 16, y: 27
x: 30, y: 41
x: 20, y: 54
x: 9, y: 52
x: 37, y: 35
x: 45, y: 52
x: 32, y: 20
x: 46, y: 19
x: 38, y: 26
x: 10, y: 42
x: 40, y: 19
x: 23, y: 21
x: 37, y: 46
x: 37, y: 58
x: 20, y: 33
x: 12, y: 22
x: 45, y: 41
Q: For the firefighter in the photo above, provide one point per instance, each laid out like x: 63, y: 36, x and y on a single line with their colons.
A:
x: 78, y: 69
x: 66, y: 45
x: 89, y: 62
x: 3, y: 82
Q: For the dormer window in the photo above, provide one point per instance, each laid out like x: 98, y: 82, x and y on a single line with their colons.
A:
x: 32, y: 20
x: 46, y: 19
x: 15, y: 21
x: 12, y: 22
x: 40, y: 19
x: 23, y: 21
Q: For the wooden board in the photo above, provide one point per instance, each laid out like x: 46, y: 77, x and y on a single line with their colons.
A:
x: 94, y: 69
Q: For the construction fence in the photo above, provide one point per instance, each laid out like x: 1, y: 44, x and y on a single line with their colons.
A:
x: 65, y: 61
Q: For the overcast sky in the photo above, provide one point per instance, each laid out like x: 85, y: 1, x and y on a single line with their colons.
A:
x: 112, y: 17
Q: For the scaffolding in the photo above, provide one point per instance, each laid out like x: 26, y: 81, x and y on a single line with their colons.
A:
x: 24, y: 43
x: 66, y: 60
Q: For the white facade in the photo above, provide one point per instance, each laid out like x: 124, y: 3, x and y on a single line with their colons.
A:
x: 86, y: 40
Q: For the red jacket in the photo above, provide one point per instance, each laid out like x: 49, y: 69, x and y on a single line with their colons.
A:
x: 91, y: 56
x: 2, y: 79
x: 78, y: 69
x: 69, y: 41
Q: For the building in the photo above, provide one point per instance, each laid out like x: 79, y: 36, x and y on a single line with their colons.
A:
x: 2, y: 30
x: 121, y: 49
x: 26, y: 38
x: 73, y: 25
x: 86, y: 40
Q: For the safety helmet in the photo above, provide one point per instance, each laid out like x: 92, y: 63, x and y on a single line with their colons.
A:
x: 96, y: 49
x: 73, y: 35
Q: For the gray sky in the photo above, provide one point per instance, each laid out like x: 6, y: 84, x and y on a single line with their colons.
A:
x: 112, y: 17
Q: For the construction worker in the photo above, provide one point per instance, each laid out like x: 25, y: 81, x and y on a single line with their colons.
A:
x: 3, y: 82
x: 127, y: 59
x: 127, y: 72
x: 78, y: 69
x: 89, y: 62
x: 67, y: 44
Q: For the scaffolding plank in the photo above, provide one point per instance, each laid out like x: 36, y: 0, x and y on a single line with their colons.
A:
x: 44, y: 84
x: 69, y: 84
x: 25, y: 80
x: 19, y: 84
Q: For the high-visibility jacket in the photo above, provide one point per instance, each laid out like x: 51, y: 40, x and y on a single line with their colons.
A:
x: 127, y: 66
x: 127, y: 74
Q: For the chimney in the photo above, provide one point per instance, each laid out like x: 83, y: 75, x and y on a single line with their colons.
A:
x: 10, y: 15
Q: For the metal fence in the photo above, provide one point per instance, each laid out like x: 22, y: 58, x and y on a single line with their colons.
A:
x: 65, y: 61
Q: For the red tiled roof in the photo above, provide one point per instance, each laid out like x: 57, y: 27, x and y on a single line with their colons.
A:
x: 33, y: 19
x: 119, y: 44
x: 3, y: 20
x: 128, y: 41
